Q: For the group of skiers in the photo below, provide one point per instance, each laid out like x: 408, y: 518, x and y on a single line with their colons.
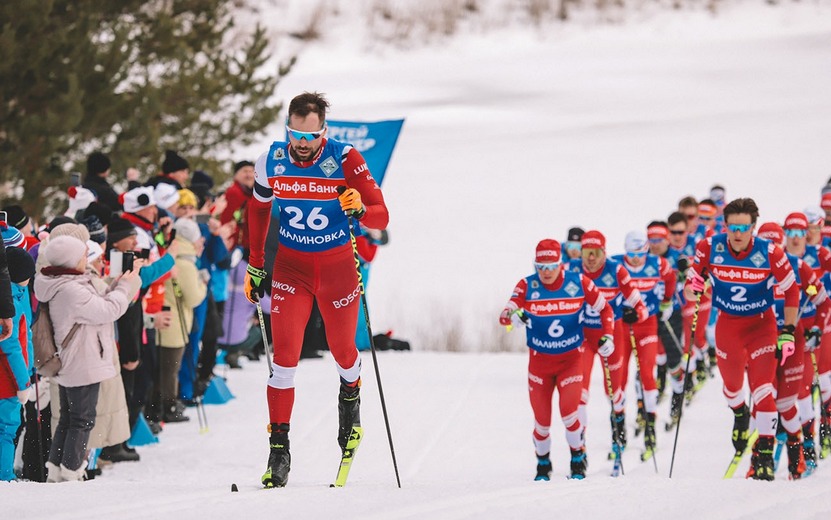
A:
x: 708, y: 287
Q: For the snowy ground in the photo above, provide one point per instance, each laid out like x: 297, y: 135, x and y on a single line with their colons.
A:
x: 462, y: 432
x: 518, y: 134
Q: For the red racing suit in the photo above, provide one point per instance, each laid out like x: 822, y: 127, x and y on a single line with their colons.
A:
x: 314, y: 258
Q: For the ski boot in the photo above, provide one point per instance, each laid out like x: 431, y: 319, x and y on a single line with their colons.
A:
x: 174, y: 411
x: 649, y: 437
x: 824, y: 435
x: 543, y: 468
x: 661, y: 380
x: 796, y: 457
x: 618, y: 432
x: 279, y: 458
x: 741, y: 424
x: 349, y: 411
x: 751, y: 471
x: 690, y: 387
x: 808, y: 448
x: 701, y: 373
x: 763, y: 458
x: 578, y: 464
x: 675, y: 410
x: 640, y: 420
x: 713, y: 361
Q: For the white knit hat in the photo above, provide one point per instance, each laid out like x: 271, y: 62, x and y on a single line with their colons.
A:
x: 636, y: 242
x: 93, y: 250
x: 65, y: 251
x: 69, y: 229
x: 166, y: 195
x: 79, y: 199
x: 188, y: 229
x: 138, y: 198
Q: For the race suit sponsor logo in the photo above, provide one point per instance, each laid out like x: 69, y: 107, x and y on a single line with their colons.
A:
x: 555, y: 307
x: 349, y: 298
x: 570, y: 380
x: 555, y: 345
x: 305, y: 188
x: 280, y: 286
x: 767, y: 349
x: 318, y: 240
x: 644, y: 284
x: 739, y: 274
x: 758, y: 305
x: 535, y: 379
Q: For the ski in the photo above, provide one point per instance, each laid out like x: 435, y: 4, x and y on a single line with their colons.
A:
x: 617, y: 467
x: 347, y: 456
x: 737, y: 457
x: 781, y: 439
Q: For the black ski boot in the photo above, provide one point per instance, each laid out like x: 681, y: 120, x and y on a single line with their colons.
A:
x: 824, y: 432
x: 578, y: 464
x: 640, y: 420
x: 619, y: 430
x: 701, y: 372
x: 661, y: 381
x: 713, y: 360
x: 796, y: 457
x: 173, y: 411
x: 543, y: 467
x: 649, y: 433
x: 349, y: 411
x: 279, y: 458
x: 763, y: 458
x: 741, y: 424
x: 809, y: 450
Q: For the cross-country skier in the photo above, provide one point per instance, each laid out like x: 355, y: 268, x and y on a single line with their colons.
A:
x: 550, y: 304
x: 616, y: 285
x: 314, y: 260
x: 742, y: 268
x: 655, y: 280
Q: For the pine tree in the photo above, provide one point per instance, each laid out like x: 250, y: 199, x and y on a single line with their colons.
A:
x: 129, y: 78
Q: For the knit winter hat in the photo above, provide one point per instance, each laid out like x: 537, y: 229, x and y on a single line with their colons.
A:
x: 97, y: 163
x: 242, y: 164
x: 96, y: 230
x: 166, y: 195
x: 73, y: 230
x: 657, y: 232
x: 548, y: 251
x: 61, y: 219
x: 201, y: 178
x: 103, y: 213
x: 636, y: 242
x: 137, y: 199
x: 16, y: 217
x: 187, y: 229
x: 21, y: 265
x: 120, y: 229
x: 12, y: 237
x: 575, y: 234
x: 705, y: 209
x: 65, y: 251
x: 79, y: 199
x: 815, y: 215
x: 825, y: 203
x: 173, y: 162
x: 93, y: 251
x: 773, y: 232
x: 187, y: 198
x: 593, y: 239
x: 796, y: 221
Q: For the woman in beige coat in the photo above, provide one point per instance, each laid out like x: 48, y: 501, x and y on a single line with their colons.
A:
x: 182, y: 291
x: 88, y: 358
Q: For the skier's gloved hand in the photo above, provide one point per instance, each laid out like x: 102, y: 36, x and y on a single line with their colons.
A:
x: 785, y: 344
x: 606, y: 345
x: 254, y: 286
x: 695, y: 280
x: 666, y: 309
x: 23, y: 395
x: 350, y: 203
x: 630, y: 316
x: 813, y: 336
x: 520, y: 319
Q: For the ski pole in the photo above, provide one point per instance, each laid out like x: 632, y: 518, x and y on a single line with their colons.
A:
x: 686, y: 374
x: 342, y: 189
x: 269, y: 356
x: 638, y: 367
x: 40, y: 432
x: 611, y: 393
x: 200, y: 407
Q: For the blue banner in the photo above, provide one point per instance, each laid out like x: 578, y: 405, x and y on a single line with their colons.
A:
x: 375, y: 141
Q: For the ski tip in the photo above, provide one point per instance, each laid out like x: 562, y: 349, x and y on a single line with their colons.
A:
x: 234, y: 488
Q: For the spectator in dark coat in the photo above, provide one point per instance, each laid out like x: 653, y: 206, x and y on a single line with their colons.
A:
x: 98, y: 168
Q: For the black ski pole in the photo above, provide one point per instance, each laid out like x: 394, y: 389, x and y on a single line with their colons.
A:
x: 607, y: 373
x: 342, y: 189
x: 684, y: 381
x: 268, y: 355
x: 42, y: 467
x: 200, y: 407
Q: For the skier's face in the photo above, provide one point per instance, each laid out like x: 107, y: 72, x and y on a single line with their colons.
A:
x: 593, y: 258
x: 795, y: 240
x: 306, y: 147
x: 658, y: 246
x: 678, y: 235
x: 740, y: 229
x: 548, y: 276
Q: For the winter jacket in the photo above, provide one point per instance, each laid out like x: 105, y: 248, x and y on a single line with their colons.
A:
x: 193, y: 292
x: 73, y: 299
x: 105, y: 193
x: 14, y: 350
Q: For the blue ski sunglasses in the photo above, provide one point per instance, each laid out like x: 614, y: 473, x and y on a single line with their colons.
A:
x: 739, y: 228
x: 548, y: 266
x: 791, y: 233
x: 637, y: 254
x: 308, y: 136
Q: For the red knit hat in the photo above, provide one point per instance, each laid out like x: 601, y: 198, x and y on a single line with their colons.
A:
x: 826, y: 201
x: 548, y: 251
x: 773, y: 232
x: 593, y: 239
x: 707, y: 210
x: 796, y: 221
x: 657, y: 232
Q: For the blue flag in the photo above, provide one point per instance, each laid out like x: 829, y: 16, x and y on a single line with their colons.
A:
x: 374, y: 140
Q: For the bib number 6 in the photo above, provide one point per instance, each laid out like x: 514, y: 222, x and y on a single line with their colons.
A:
x: 555, y: 330
x: 315, y: 220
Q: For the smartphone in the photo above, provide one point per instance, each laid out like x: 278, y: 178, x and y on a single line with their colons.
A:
x: 75, y: 179
x: 143, y: 254
x: 166, y: 308
x: 116, y: 263
x: 202, y: 218
x: 127, y: 261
